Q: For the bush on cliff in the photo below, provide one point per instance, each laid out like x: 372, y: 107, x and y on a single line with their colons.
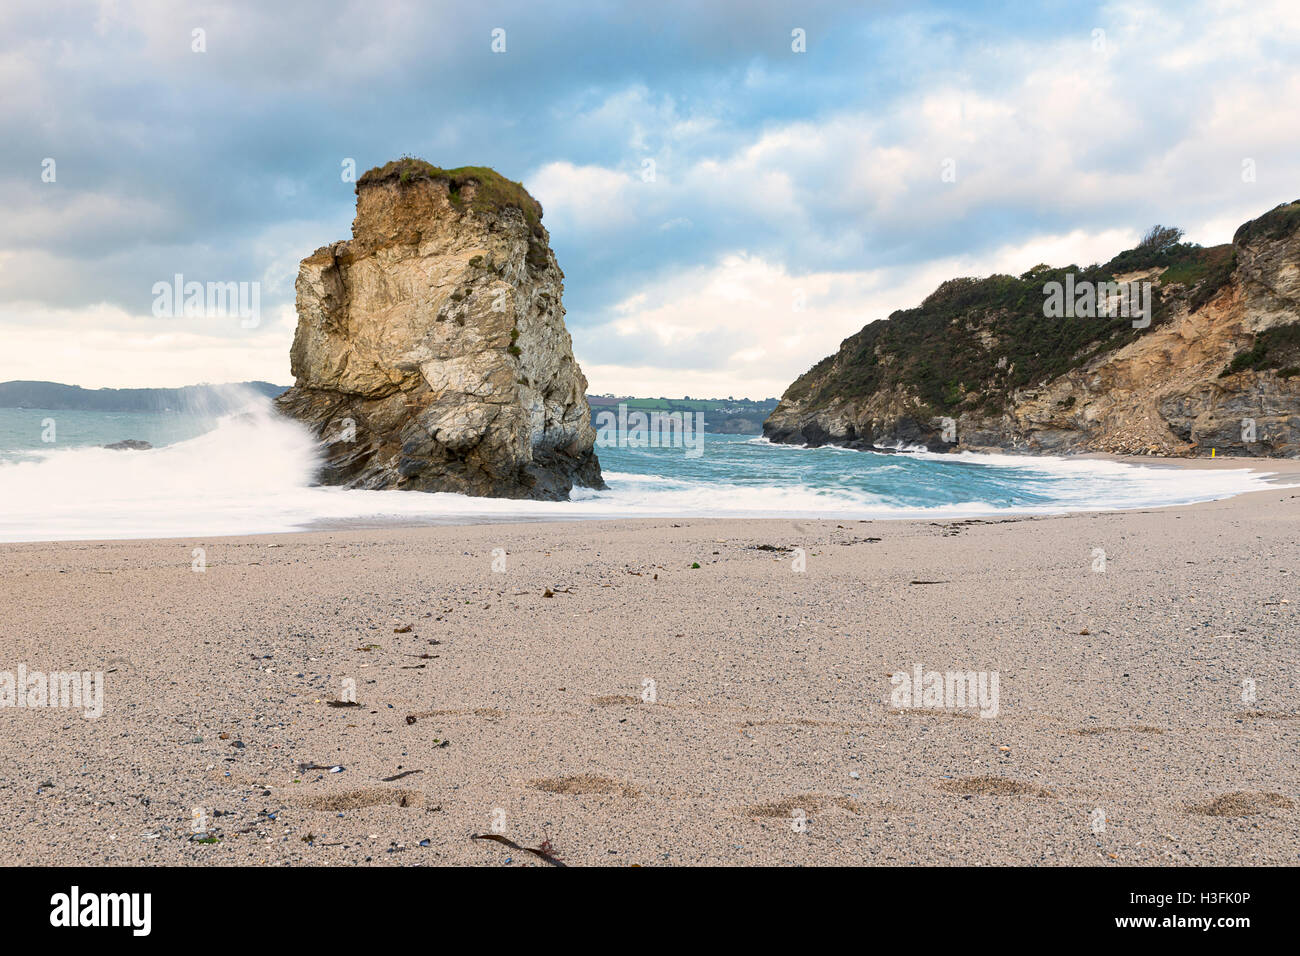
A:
x: 972, y: 343
x: 493, y: 193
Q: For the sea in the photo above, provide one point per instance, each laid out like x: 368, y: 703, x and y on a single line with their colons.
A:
x: 255, y: 472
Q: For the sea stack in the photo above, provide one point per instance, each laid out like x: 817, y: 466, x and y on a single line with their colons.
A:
x: 431, y: 352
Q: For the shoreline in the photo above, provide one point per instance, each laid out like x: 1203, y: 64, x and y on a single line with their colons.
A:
x: 1120, y: 691
x: 1277, y: 467
x: 1283, y: 473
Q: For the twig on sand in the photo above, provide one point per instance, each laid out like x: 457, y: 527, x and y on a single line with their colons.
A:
x: 545, y: 851
x: 399, y: 776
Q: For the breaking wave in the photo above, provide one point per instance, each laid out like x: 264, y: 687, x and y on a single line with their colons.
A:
x: 252, y: 472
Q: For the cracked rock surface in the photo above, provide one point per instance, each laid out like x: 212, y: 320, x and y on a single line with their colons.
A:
x: 431, y: 352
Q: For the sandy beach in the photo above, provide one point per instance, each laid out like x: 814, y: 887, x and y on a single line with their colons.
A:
x: 605, y: 694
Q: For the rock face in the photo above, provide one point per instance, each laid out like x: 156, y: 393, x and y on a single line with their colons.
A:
x: 1218, y: 367
x: 431, y: 352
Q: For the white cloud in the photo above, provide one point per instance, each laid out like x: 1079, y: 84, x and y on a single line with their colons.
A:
x: 1079, y: 134
x: 1063, y: 153
x: 747, y: 327
x: 106, y: 347
x: 583, y: 198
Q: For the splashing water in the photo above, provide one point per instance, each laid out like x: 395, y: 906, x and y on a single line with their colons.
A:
x: 252, y: 471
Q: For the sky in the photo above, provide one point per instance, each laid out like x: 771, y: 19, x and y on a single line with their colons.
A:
x: 731, y: 188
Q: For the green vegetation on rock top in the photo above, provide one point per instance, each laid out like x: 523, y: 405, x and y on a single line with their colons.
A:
x: 493, y: 193
x: 1278, y: 222
x: 973, y: 343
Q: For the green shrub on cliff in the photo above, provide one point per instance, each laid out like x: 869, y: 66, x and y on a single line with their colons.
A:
x: 1275, y: 348
x: 493, y: 191
x: 972, y: 343
x: 1280, y: 221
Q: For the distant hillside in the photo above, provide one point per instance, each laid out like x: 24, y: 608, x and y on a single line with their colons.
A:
x: 726, y: 416
x: 734, y: 416
x: 191, y: 398
x: 988, y: 363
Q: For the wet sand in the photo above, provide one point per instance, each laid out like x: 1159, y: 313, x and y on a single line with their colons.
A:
x: 1125, y: 732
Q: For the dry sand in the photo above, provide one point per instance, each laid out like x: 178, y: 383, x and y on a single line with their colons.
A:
x: 1119, y: 691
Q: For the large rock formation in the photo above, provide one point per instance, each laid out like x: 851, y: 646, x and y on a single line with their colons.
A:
x: 1218, y: 366
x: 431, y: 352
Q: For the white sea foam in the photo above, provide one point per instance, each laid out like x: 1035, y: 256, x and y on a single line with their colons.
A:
x: 253, y: 473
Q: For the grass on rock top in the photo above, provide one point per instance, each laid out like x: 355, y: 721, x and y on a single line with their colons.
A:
x: 1278, y: 222
x: 493, y: 193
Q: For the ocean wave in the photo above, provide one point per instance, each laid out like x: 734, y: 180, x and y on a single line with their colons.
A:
x: 254, y: 471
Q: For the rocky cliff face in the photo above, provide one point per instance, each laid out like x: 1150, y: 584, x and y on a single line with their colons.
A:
x: 1218, y: 367
x: 431, y: 352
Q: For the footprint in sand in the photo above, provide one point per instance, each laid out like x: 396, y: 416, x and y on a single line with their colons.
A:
x: 357, y: 799
x: 615, y: 700
x: 584, y: 784
x: 808, y: 802
x: 1241, y: 803
x: 994, y: 787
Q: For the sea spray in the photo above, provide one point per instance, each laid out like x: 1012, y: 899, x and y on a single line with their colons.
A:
x: 254, y: 472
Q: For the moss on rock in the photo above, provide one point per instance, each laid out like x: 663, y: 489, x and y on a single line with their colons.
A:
x: 492, y: 193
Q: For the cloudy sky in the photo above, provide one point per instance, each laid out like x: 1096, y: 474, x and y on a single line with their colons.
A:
x: 726, y: 208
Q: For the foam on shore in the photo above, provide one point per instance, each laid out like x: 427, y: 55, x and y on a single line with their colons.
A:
x: 254, y: 471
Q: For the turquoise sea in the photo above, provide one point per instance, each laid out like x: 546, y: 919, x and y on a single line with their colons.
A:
x: 255, y: 472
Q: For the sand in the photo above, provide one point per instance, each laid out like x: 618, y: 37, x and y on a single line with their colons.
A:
x: 1121, y: 735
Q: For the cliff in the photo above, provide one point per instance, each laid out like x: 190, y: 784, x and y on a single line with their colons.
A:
x: 1218, y: 365
x: 431, y: 352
